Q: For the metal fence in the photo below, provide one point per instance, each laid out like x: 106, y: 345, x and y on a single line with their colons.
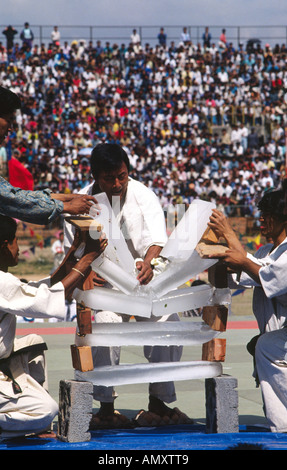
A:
x: 121, y: 34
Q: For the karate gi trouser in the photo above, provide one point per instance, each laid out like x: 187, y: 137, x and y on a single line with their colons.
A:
x: 271, y: 365
x: 110, y: 356
x: 32, y: 410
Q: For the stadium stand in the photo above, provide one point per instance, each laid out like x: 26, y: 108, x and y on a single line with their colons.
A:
x: 196, y: 121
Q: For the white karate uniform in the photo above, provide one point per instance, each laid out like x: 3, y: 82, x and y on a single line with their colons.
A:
x: 32, y: 410
x: 142, y: 222
x: 270, y: 310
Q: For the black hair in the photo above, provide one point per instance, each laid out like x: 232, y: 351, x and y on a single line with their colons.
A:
x: 9, y: 101
x: 8, y: 227
x: 107, y: 157
x: 273, y: 202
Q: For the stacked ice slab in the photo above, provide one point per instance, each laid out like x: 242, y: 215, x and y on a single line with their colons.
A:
x: 162, y: 296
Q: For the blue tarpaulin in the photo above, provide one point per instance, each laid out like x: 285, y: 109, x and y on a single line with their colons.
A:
x: 182, y: 438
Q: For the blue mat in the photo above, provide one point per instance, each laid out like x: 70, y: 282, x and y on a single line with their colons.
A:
x: 183, y: 438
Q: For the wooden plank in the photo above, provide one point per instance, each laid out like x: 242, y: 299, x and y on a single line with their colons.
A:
x: 205, y: 250
x: 84, y: 223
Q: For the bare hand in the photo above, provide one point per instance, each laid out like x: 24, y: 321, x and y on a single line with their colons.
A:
x: 145, y: 272
x: 95, y: 245
x: 219, y: 223
x: 78, y: 239
x: 79, y: 204
x: 234, y: 259
x: 98, y: 280
x: 222, y: 228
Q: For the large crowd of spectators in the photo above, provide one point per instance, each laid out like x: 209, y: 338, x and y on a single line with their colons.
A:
x: 197, y: 120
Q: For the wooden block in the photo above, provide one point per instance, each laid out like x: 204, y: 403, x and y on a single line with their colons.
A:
x: 82, y: 358
x: 215, y: 316
x: 84, y: 222
x: 84, y: 319
x: 209, y: 236
x: 206, y: 250
x: 214, y: 350
x: 217, y: 276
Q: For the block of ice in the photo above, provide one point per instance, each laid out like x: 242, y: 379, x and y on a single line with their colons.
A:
x: 183, y: 299
x: 150, y: 373
x: 116, y: 265
x: 101, y: 298
x: 117, y: 249
x: 169, y: 333
x: 175, y: 301
x: 186, y: 235
x: 177, y: 273
x: 220, y: 296
x: 115, y: 274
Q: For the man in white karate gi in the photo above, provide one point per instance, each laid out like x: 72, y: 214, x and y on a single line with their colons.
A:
x: 265, y: 271
x: 25, y: 405
x: 142, y: 222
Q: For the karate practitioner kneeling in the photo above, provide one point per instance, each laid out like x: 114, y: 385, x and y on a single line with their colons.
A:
x: 25, y: 405
x: 265, y: 272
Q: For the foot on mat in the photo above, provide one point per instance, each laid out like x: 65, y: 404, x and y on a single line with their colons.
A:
x: 46, y: 435
x: 114, y: 421
x: 148, y: 418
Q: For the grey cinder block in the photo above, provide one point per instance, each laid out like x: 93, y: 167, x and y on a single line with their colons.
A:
x: 75, y: 410
x: 221, y: 404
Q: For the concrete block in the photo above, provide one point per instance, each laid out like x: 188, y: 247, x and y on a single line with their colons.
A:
x: 221, y: 397
x: 75, y: 410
